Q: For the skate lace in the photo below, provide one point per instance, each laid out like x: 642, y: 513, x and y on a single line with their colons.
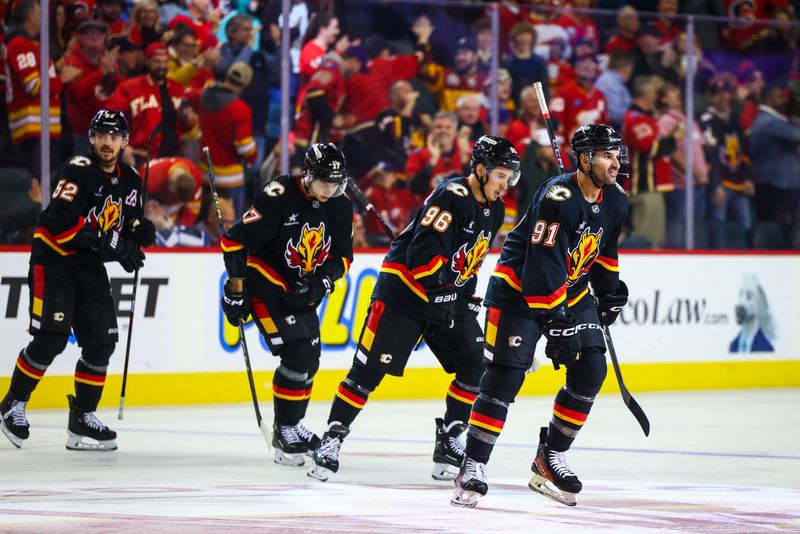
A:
x: 92, y: 421
x: 290, y: 434
x: 17, y: 413
x: 304, y: 432
x: 475, y: 471
x: 329, y: 448
x: 558, y: 462
x: 456, y: 445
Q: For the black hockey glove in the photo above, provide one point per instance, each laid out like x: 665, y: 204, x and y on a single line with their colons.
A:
x: 309, y: 292
x: 126, y: 252
x: 442, y: 307
x: 473, y: 305
x: 611, y: 303
x: 144, y: 233
x: 235, y: 304
x: 563, y: 343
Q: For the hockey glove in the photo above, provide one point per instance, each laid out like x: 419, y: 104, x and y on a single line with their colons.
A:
x: 563, y: 343
x: 235, y: 304
x: 309, y: 292
x: 442, y: 307
x: 611, y: 303
x: 126, y: 252
x: 473, y: 305
x: 144, y: 233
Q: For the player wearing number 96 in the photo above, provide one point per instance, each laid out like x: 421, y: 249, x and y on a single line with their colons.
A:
x: 426, y: 289
x: 540, y: 287
x: 94, y: 216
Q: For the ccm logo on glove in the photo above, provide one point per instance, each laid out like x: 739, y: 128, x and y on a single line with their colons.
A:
x: 567, y: 332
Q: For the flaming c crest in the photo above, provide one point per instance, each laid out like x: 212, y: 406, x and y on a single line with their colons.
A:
x: 583, y: 255
x: 467, y: 262
x: 311, y: 249
x: 110, y: 216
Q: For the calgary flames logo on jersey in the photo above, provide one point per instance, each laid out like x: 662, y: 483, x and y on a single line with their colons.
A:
x: 311, y: 250
x: 467, y: 262
x: 583, y: 255
x: 109, y: 216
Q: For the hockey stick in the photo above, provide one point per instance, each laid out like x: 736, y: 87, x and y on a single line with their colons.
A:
x: 627, y: 398
x: 362, y: 199
x: 143, y: 197
x: 262, y: 425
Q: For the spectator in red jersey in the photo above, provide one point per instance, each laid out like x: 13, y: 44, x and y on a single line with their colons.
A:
x: 446, y: 153
x: 97, y: 81
x: 651, y: 169
x: 395, y: 204
x: 319, y: 109
x: 145, y: 27
x: 322, y: 31
x: 750, y: 92
x: 523, y: 129
x: 131, y: 58
x: 151, y: 99
x: 109, y: 12
x: 743, y: 35
x: 177, y: 185
x: 666, y: 23
x: 628, y: 25
x: 400, y: 128
x: 24, y: 84
x: 226, y: 128
x: 579, y: 102
x: 524, y: 66
x: 579, y: 26
x: 199, y: 17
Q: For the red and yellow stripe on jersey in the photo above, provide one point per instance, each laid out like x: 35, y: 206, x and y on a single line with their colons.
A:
x: 461, y: 394
x: 608, y: 263
x: 570, y: 416
x: 485, y: 422
x: 509, y: 276
x: 550, y: 301
x: 90, y: 379
x: 375, y: 313
x: 229, y: 245
x: 291, y: 394
x: 55, y: 242
x: 492, y: 319
x: 38, y: 291
x: 268, y: 272
x: 28, y: 370
x: 353, y: 399
x: 262, y: 315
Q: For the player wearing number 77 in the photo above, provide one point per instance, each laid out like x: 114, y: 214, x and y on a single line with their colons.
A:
x: 426, y: 289
x: 540, y: 287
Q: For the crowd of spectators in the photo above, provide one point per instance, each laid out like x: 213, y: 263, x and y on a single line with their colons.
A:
x: 406, y: 89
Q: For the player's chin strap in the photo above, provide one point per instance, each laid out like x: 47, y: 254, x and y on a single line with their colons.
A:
x: 590, y: 174
x: 482, y: 183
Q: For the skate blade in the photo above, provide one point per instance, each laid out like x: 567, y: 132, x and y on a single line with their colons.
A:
x: 445, y: 472
x: 76, y: 443
x: 465, y: 498
x: 320, y: 473
x: 543, y: 486
x: 15, y: 441
x: 294, y: 460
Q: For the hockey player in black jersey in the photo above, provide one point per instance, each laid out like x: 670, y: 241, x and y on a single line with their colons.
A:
x: 94, y: 216
x: 426, y: 289
x: 283, y: 257
x: 540, y: 287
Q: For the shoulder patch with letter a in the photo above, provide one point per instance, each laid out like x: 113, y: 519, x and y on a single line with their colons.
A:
x: 559, y: 193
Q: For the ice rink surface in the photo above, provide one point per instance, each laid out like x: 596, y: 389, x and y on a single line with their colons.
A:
x: 722, y: 462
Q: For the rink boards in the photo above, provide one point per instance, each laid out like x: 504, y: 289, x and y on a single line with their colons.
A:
x: 680, y: 330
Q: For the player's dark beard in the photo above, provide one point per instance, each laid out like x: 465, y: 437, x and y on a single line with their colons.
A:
x: 106, y: 155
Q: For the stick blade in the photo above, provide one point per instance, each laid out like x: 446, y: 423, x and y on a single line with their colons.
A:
x: 639, y: 414
x: 265, y: 431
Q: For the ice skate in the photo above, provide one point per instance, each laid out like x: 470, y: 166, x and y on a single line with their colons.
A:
x: 311, y: 440
x: 449, y: 451
x: 471, y: 484
x: 290, y: 448
x: 552, y: 475
x: 326, y: 456
x: 85, y: 432
x: 13, y: 421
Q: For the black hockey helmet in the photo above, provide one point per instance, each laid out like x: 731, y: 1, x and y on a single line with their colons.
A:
x: 109, y: 121
x: 325, y: 162
x: 494, y: 152
x: 591, y: 138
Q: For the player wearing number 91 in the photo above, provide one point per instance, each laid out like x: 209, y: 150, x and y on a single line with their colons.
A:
x: 426, y: 290
x: 94, y: 216
x: 540, y: 287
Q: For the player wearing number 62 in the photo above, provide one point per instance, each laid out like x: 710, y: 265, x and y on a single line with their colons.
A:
x: 94, y: 216
x: 426, y: 289
x: 567, y: 238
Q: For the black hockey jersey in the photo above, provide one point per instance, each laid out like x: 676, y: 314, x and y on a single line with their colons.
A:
x: 85, y: 202
x: 286, y: 235
x: 444, y: 245
x: 561, y: 239
x: 723, y: 140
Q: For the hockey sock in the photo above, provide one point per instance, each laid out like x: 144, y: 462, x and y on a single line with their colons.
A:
x: 89, y: 382
x: 290, y: 391
x: 570, y: 411
x: 485, y: 424
x: 309, y: 385
x: 351, y: 397
x: 25, y: 378
x: 459, y: 402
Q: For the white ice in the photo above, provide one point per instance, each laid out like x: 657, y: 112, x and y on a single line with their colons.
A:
x: 722, y: 462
